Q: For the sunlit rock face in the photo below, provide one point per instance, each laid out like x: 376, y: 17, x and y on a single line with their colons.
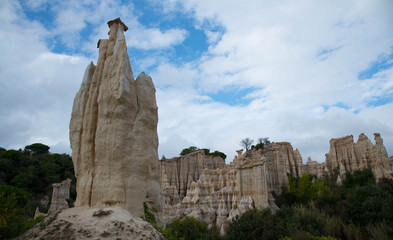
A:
x: 345, y: 155
x: 207, y: 189
x: 113, y: 131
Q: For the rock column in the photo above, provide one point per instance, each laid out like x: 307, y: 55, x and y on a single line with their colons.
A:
x: 113, y: 131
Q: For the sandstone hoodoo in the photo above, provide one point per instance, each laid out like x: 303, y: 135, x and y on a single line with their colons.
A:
x: 60, y: 195
x: 345, y: 155
x: 113, y: 131
x: 207, y: 189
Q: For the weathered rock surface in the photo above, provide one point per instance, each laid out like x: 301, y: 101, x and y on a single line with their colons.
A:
x: 347, y: 156
x: 60, y: 194
x: 113, y: 131
x: 209, y: 190
x: 206, y: 188
x: 177, y: 174
x: 110, y: 223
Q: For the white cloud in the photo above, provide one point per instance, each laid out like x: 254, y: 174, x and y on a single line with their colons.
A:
x: 304, y: 57
x: 169, y: 75
x: 154, y: 38
x: 37, y: 86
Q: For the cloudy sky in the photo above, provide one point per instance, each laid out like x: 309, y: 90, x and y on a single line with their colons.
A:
x: 296, y: 71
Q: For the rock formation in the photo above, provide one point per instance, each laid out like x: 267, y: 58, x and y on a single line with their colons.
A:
x: 177, y: 174
x: 206, y: 188
x: 113, y: 131
x: 210, y: 190
x: 110, y: 223
x: 60, y: 194
x: 347, y: 156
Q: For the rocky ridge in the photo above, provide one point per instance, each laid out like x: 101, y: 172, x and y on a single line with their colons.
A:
x: 345, y: 155
x: 208, y: 189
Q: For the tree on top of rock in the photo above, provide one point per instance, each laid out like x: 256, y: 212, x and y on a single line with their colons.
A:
x: 246, y: 143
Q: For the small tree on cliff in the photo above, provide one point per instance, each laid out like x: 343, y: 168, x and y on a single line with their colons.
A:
x: 188, y: 150
x: 246, y: 143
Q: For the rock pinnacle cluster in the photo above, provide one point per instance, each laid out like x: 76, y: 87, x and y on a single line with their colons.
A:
x: 113, y: 131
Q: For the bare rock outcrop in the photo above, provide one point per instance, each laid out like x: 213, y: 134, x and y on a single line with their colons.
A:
x: 214, y: 192
x: 60, y: 194
x: 113, y: 131
x: 110, y: 223
x: 177, y: 174
x: 345, y: 155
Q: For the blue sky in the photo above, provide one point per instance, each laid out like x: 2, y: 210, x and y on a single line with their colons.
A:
x: 301, y: 72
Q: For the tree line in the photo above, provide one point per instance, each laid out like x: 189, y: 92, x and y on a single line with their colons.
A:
x: 26, y: 178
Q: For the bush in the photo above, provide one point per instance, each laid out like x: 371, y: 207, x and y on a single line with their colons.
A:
x: 367, y: 204
x: 254, y: 224
x: 359, y: 209
x: 148, y: 216
x: 188, y: 150
x: 207, y: 152
x: 13, y: 202
x: 188, y: 229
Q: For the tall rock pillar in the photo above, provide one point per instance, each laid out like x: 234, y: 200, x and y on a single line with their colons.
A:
x: 113, y: 131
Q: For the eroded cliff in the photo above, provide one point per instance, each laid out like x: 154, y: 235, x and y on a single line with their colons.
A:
x: 345, y: 155
x: 206, y: 188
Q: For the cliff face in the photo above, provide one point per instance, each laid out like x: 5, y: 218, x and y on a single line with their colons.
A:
x: 281, y: 161
x: 347, y: 156
x: 113, y: 131
x: 207, y: 189
x: 177, y: 174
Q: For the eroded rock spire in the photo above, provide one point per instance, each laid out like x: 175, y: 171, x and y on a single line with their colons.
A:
x: 113, y: 131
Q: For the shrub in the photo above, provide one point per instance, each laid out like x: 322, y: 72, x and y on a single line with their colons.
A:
x: 254, y: 224
x: 13, y: 202
x: 188, y: 229
x: 148, y: 216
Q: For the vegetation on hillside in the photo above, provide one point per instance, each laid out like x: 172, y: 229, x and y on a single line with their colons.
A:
x: 311, y: 208
x: 26, y: 178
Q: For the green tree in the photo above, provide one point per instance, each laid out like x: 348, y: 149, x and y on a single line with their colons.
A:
x: 13, y: 202
x: 186, y: 151
x: 359, y: 178
x: 254, y: 224
x: 218, y: 153
x: 188, y: 229
x: 37, y: 148
x: 368, y: 204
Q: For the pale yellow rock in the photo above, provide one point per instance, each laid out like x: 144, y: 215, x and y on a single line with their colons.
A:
x: 113, y: 131
x: 216, y: 193
x: 209, y: 190
x: 60, y: 195
x: 347, y: 156
x: 177, y: 174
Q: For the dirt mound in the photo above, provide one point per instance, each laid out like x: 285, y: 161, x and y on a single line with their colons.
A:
x: 92, y: 223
